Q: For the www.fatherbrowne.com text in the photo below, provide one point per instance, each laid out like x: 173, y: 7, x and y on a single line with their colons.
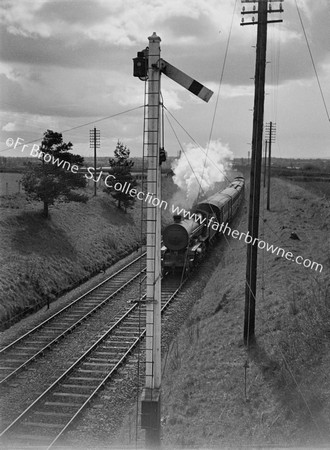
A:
x: 150, y: 198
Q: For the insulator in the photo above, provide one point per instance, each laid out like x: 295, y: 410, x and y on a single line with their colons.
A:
x: 281, y: 8
x: 243, y: 9
x: 254, y: 7
x: 270, y: 6
x: 253, y: 19
x: 242, y: 20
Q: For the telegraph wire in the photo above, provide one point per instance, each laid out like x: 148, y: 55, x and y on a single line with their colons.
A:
x: 229, y: 243
x: 291, y: 373
x: 283, y: 358
x: 80, y: 126
x: 198, y: 145
x: 183, y: 151
x: 222, y: 72
x: 275, y: 66
x: 313, y: 63
x: 219, y: 89
x: 198, y: 181
x: 105, y: 118
x: 265, y: 222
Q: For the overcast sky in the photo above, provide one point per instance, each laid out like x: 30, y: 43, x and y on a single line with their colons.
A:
x: 65, y: 63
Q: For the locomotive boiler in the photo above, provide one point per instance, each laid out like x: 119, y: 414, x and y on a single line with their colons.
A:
x: 186, y: 241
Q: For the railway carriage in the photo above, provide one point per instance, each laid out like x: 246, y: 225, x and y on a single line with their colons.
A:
x: 186, y: 240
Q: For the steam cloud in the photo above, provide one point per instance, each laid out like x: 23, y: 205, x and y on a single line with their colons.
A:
x: 195, y: 172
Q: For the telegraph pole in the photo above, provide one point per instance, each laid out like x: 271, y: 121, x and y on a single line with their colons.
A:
x: 270, y: 130
x: 256, y: 158
x: 265, y: 162
x: 94, y: 140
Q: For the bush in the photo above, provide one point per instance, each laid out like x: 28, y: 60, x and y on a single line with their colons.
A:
x: 310, y: 168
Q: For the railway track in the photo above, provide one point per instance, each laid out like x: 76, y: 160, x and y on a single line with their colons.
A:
x: 20, y: 353
x: 45, y: 421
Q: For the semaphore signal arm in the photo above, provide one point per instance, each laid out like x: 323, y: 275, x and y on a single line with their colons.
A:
x: 193, y: 86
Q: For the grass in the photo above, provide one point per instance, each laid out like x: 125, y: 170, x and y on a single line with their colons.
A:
x: 207, y: 401
x: 320, y: 188
x: 303, y: 343
x: 43, y: 258
x: 10, y: 183
x: 295, y: 366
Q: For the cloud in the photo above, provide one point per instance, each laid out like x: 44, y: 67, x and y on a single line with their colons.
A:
x: 63, y: 12
x: 68, y: 92
x: 121, y: 23
x: 70, y: 62
x: 31, y: 123
x: 56, y: 51
x: 102, y: 33
x: 10, y: 126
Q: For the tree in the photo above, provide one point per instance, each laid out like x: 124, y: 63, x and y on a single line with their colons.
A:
x: 121, y: 167
x: 56, y: 177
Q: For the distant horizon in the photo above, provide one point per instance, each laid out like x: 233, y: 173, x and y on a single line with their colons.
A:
x: 176, y: 157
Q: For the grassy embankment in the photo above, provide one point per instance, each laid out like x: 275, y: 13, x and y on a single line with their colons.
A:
x: 43, y: 258
x: 285, y: 400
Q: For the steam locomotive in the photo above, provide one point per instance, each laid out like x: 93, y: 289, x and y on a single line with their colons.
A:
x: 185, y: 241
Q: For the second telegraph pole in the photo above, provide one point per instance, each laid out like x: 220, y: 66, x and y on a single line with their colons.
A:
x: 270, y: 130
x: 94, y: 139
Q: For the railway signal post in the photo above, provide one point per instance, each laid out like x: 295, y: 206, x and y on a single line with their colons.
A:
x: 256, y: 157
x: 150, y: 404
x: 148, y: 66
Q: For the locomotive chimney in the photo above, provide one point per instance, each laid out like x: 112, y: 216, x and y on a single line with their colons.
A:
x: 177, y: 218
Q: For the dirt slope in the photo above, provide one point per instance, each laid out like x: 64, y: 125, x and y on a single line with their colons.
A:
x: 42, y: 258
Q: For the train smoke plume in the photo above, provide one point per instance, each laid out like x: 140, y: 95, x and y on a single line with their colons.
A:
x: 195, y: 173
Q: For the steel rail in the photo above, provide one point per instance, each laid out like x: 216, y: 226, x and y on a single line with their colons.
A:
x: 81, y: 359
x: 70, y: 369
x: 36, y: 328
x: 98, y: 388
x: 68, y: 330
x: 115, y: 368
x: 29, y: 358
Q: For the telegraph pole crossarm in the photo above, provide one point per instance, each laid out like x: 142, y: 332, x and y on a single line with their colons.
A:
x: 254, y: 11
